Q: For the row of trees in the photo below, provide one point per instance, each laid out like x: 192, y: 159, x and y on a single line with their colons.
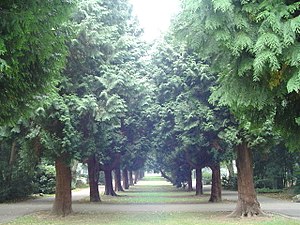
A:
x: 94, y: 112
x: 192, y: 131
x: 222, y: 83
x: 253, y: 47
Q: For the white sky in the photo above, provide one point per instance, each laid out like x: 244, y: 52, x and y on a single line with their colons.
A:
x: 154, y: 15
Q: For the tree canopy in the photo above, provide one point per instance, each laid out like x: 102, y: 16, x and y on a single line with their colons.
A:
x: 32, y: 53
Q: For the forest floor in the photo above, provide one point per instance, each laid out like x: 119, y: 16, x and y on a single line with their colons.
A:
x: 151, y: 201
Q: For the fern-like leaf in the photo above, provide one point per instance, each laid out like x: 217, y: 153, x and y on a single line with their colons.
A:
x: 222, y: 5
x: 294, y: 83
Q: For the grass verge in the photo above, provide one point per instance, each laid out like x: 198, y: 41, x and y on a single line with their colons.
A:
x: 182, y: 218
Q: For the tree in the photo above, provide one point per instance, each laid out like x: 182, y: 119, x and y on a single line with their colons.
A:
x: 94, y: 77
x: 253, y: 47
x: 32, y: 53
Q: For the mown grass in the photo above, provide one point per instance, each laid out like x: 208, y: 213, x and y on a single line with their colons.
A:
x: 154, y: 190
x: 153, y: 218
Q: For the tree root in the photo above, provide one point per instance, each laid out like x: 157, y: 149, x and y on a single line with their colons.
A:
x: 247, y: 212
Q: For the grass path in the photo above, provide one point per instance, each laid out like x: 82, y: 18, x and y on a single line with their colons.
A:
x: 154, y: 190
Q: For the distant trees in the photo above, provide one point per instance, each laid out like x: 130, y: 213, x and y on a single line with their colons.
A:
x: 187, y: 131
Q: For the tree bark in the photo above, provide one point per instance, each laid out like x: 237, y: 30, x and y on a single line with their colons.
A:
x: 199, y: 184
x: 230, y: 170
x: 118, y: 185
x: 93, y: 170
x: 125, y: 179
x: 13, y: 153
x: 190, y: 181
x: 164, y: 175
x: 74, y: 173
x: 216, y: 195
x: 142, y: 174
x: 63, y: 198
x: 247, y: 204
x: 108, y: 183
x: 136, y: 176
x: 131, y: 183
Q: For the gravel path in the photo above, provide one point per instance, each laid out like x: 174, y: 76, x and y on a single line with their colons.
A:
x: 11, y: 211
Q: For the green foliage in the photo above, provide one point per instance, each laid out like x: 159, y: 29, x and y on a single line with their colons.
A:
x: 275, y: 167
x: 188, y: 126
x: 32, y: 53
x: 254, y: 48
x: 297, y: 176
x: 45, y: 179
x: 268, y: 190
x: 16, y: 169
x: 230, y: 183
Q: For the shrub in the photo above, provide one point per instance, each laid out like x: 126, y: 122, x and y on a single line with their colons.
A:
x: 206, y: 177
x: 230, y: 183
x: 264, y: 183
x: 19, y: 185
x: 45, y: 179
x: 268, y: 190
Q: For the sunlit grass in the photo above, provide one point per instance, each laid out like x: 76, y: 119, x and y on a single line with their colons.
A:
x: 138, y: 218
x: 154, y: 190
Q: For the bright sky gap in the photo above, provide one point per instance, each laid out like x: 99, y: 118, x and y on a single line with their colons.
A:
x: 154, y: 15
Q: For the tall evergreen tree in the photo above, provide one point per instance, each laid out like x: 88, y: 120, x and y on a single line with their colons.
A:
x: 254, y: 47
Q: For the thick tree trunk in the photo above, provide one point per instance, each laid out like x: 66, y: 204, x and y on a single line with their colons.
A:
x: 125, y: 179
x: 131, y: 183
x: 63, y: 198
x: 216, y: 195
x: 108, y: 183
x: 93, y: 170
x: 190, y: 181
x: 199, y: 184
x: 118, y: 185
x: 247, y: 204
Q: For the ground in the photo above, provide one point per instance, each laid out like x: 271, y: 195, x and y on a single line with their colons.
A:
x: 152, y: 201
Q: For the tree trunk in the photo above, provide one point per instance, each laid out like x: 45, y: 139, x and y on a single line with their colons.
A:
x: 63, y: 198
x: 230, y: 170
x: 108, y: 183
x: 216, y: 195
x: 93, y: 170
x: 125, y: 179
x: 199, y: 184
x: 118, y: 185
x: 131, y: 183
x: 13, y: 153
x: 136, y: 176
x: 74, y: 173
x: 142, y: 174
x: 190, y: 181
x: 164, y: 175
x: 247, y: 204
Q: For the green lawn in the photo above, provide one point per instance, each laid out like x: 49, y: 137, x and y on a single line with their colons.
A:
x: 154, y: 194
x: 150, y: 190
x: 154, y: 189
x: 155, y: 218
